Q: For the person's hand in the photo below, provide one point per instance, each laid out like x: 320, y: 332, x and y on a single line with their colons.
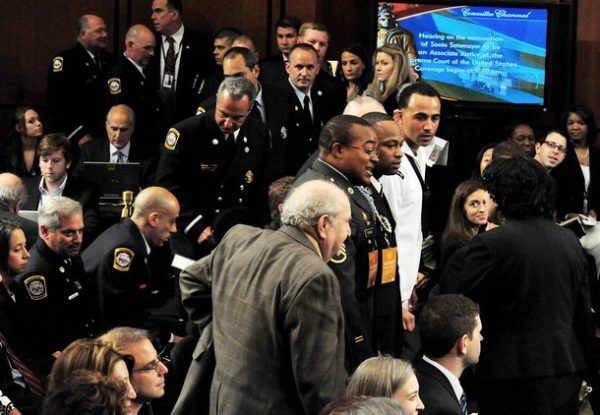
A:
x: 85, y: 139
x: 592, y: 214
x: 57, y: 354
x: 408, y: 320
x: 15, y: 411
x: 177, y: 339
x: 207, y: 237
x: 413, y: 300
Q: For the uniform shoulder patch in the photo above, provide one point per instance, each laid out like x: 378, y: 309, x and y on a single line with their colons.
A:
x: 122, y: 259
x: 341, y: 256
x: 57, y: 64
x: 172, y: 138
x: 36, y: 287
x: 114, y: 86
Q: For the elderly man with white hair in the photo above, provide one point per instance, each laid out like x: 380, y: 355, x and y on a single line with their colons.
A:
x: 275, y: 310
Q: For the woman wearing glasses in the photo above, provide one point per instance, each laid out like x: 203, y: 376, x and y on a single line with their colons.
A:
x: 578, y: 176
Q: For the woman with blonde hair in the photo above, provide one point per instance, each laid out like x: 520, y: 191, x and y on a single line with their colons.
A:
x: 387, y: 377
x: 392, y: 72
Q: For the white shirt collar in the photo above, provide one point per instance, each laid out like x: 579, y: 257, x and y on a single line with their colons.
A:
x: 300, y: 94
x: 124, y: 150
x: 44, y: 193
x: 454, y: 382
x: 148, y: 248
x: 138, y: 67
x: 376, y: 184
x: 177, y: 36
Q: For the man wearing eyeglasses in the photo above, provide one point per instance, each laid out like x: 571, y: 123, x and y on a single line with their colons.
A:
x: 347, y: 157
x: 552, y: 151
x: 148, y: 375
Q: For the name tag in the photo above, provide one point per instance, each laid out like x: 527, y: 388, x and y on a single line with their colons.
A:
x: 370, y: 232
x: 208, y: 167
x: 388, y: 267
x: 168, y: 80
x: 72, y: 296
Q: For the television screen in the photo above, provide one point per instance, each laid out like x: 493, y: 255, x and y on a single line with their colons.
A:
x: 473, y: 53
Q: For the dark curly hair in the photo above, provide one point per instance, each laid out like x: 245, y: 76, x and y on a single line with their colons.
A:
x: 586, y: 114
x: 521, y: 187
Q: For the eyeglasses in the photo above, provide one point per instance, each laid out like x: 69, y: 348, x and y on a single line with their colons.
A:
x: 155, y: 364
x: 554, y: 146
x: 371, y: 152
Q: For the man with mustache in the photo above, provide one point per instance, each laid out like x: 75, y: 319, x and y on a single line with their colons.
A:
x: 57, y: 299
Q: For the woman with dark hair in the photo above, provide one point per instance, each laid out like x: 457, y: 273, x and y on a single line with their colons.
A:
x: 468, y: 215
x: 353, y: 70
x: 392, y: 73
x: 19, y: 154
x: 578, y: 176
x: 96, y: 356
x: 483, y: 158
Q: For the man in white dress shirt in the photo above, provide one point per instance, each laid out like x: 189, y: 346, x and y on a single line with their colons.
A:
x: 418, y: 115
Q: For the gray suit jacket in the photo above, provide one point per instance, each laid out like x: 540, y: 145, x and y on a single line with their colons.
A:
x: 276, y: 320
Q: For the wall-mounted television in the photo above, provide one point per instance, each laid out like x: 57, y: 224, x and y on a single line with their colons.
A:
x: 506, y: 53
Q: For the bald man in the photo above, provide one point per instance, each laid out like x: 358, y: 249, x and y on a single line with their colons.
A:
x: 127, y: 84
x: 120, y: 259
x: 76, y: 82
x: 12, y: 196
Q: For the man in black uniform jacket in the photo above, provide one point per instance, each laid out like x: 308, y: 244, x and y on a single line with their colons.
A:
x: 178, y: 70
x: 213, y: 163
x: 57, y: 299
x: 348, y: 153
x: 120, y: 260
x: 128, y: 84
x: 76, y: 82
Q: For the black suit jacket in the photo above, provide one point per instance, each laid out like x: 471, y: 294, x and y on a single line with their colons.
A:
x: 530, y: 280
x: 272, y: 69
x: 436, y: 391
x: 195, y: 64
x: 77, y: 189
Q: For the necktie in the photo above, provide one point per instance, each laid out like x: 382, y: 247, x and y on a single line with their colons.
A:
x: 31, y: 380
x: 119, y: 157
x: 230, y: 143
x: 307, y: 115
x: 463, y: 403
x: 98, y: 61
x: 256, y: 113
x: 170, y: 58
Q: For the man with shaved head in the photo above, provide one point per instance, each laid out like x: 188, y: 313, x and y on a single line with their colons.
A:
x: 127, y: 83
x: 12, y: 196
x: 76, y: 81
x: 119, y: 259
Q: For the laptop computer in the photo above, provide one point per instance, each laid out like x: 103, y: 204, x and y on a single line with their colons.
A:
x: 112, y: 179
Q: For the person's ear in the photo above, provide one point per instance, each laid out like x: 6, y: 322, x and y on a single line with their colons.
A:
x: 153, y: 218
x: 322, y: 227
x: 43, y: 231
x: 537, y: 147
x: 461, y: 345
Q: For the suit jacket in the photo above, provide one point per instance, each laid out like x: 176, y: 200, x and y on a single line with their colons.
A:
x: 352, y: 267
x: 278, y: 314
x: 76, y: 91
x: 77, y: 189
x: 195, y: 63
x: 570, y: 184
x: 436, y: 391
x: 530, y: 280
x: 208, y: 177
x: 126, y: 85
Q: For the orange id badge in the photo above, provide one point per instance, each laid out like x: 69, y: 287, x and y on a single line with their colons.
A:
x: 373, y: 265
x: 388, y: 268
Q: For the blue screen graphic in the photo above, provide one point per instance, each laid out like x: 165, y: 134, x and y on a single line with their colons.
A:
x: 473, y: 53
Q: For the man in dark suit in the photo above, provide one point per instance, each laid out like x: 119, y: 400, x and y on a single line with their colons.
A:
x: 55, y: 158
x: 183, y: 58
x: 12, y: 196
x: 214, y: 164
x: 272, y: 68
x: 129, y: 84
x: 76, y: 82
x: 275, y: 307
x: 348, y: 153
x: 530, y: 279
x: 450, y: 330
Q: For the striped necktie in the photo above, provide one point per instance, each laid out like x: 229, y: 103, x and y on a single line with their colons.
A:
x: 463, y: 403
x: 31, y: 380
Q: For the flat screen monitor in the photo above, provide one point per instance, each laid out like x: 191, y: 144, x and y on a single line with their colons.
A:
x: 472, y: 52
x: 113, y: 178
